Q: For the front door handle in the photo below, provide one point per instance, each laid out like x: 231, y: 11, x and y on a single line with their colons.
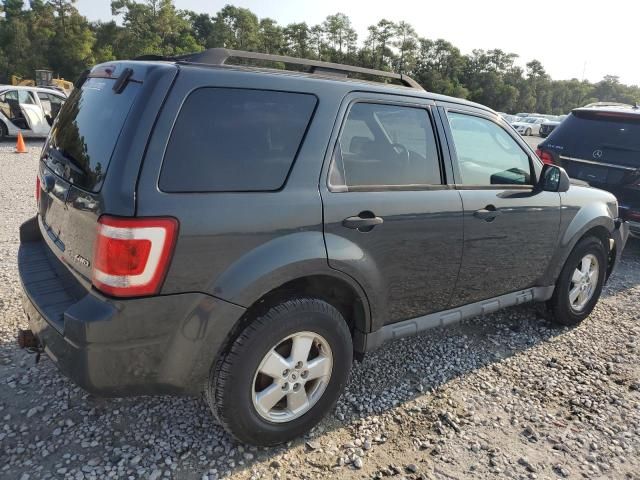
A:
x: 488, y: 213
x: 364, y: 222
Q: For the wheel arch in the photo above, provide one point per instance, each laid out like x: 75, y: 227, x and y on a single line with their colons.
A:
x: 599, y: 227
x: 342, y: 293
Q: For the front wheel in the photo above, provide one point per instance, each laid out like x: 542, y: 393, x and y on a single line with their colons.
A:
x: 528, y: 132
x: 580, y: 283
x: 283, y: 373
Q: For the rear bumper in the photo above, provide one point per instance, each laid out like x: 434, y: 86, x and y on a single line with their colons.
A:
x: 155, y: 345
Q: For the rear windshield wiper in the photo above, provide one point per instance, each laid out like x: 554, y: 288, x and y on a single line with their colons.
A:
x: 59, y: 158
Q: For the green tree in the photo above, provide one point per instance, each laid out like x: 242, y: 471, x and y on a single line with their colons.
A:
x: 297, y: 40
x: 407, y: 44
x: 52, y: 34
x: 71, y: 47
x: 154, y: 27
x: 340, y: 35
x: 270, y: 36
x: 236, y: 28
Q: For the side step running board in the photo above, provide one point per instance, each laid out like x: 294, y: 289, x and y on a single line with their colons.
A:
x: 406, y: 328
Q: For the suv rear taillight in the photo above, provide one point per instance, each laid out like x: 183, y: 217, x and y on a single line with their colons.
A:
x: 132, y: 255
x: 546, y: 157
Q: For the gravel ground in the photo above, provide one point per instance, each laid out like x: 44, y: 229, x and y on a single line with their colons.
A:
x: 501, y: 396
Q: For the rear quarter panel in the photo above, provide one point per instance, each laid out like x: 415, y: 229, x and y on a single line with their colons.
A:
x: 238, y: 246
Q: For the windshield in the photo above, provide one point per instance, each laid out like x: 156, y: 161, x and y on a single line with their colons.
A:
x: 85, y: 133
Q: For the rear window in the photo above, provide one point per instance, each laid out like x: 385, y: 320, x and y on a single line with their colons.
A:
x: 228, y: 139
x: 84, y: 136
x: 613, y: 136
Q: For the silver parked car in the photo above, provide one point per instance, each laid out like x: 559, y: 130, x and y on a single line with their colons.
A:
x: 528, y: 126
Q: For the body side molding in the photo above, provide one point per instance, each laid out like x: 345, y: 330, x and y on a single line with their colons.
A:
x: 371, y: 341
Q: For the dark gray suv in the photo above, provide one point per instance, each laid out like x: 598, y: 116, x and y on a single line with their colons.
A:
x: 247, y: 231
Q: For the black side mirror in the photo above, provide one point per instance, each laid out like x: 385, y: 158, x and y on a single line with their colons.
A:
x: 553, y: 179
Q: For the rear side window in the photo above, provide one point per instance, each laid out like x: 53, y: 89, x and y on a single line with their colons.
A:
x: 385, y: 145
x: 228, y: 139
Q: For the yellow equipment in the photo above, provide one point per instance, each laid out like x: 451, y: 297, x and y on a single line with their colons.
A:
x: 15, y: 80
x: 44, y: 78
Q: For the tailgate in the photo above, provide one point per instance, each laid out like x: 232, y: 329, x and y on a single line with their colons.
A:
x: 599, y: 146
x: 91, y: 159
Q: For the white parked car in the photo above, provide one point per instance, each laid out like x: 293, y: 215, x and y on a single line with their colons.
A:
x: 28, y: 110
x: 528, y: 125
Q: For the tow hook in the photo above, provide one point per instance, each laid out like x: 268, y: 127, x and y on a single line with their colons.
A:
x: 28, y: 341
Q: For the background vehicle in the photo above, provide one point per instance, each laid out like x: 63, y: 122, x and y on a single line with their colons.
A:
x: 528, y: 126
x: 509, y: 118
x: 601, y: 145
x: 28, y: 110
x: 550, y: 124
x: 249, y: 230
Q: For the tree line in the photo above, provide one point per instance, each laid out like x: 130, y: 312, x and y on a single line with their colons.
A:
x: 53, y: 34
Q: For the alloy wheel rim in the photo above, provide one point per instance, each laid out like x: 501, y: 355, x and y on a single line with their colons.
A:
x: 584, y: 281
x: 292, y: 377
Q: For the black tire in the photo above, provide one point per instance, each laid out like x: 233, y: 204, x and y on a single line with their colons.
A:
x: 559, y: 306
x: 3, y: 132
x: 230, y: 387
x: 528, y: 132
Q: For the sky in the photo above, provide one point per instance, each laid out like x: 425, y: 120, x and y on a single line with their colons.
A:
x: 573, y: 39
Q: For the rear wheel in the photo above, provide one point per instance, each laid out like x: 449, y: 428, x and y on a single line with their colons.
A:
x: 580, y: 283
x: 283, y: 373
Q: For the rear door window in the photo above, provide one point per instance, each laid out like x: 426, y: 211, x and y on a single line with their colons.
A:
x: 228, y: 139
x: 385, y: 145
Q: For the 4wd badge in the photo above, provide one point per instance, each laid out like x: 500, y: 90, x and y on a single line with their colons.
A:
x: 81, y: 260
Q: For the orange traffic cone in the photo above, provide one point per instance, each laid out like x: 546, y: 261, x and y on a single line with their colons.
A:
x: 20, y: 146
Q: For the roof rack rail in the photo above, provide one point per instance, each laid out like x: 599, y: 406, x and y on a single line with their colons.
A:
x: 218, y: 56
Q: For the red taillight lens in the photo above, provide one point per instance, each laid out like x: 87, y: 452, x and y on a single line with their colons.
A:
x: 132, y: 255
x: 38, y: 190
x: 546, y: 157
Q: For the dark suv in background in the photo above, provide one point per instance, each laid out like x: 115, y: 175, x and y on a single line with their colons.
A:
x: 246, y: 231
x: 601, y: 146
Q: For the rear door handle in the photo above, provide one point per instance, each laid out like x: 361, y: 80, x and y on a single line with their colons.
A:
x: 365, y: 220
x: 488, y: 213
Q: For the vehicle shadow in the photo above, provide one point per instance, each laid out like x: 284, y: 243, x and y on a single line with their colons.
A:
x: 179, y: 435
